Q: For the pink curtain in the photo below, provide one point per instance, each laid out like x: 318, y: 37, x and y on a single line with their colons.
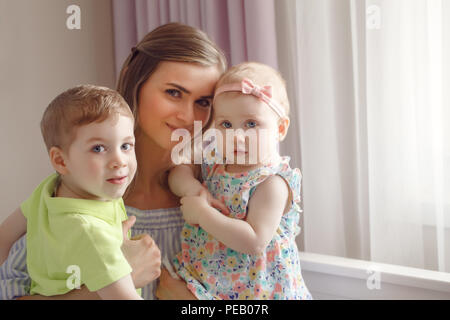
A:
x: 244, y: 29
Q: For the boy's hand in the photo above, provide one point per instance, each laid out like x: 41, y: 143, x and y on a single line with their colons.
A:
x: 192, y: 207
x: 142, y: 254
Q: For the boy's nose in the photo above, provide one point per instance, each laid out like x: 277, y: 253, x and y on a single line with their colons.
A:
x: 118, y: 162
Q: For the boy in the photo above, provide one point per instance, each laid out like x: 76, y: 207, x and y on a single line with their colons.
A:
x: 73, y: 218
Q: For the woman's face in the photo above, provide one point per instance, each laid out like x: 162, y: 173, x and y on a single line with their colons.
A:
x: 175, y: 95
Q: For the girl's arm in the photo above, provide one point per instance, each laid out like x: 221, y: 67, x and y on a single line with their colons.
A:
x: 182, y: 181
x: 11, y: 230
x: 252, y: 236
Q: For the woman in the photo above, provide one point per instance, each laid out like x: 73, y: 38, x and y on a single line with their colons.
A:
x: 168, y: 80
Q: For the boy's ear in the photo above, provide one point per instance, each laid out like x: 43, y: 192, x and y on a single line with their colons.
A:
x: 57, y: 159
x: 283, y: 127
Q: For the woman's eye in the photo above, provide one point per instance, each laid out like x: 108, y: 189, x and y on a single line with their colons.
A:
x: 98, y: 149
x: 226, y: 124
x: 251, y: 124
x: 127, y: 146
x: 204, y: 103
x: 174, y: 92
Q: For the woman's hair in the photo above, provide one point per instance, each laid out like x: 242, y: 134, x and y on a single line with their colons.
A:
x: 76, y: 107
x: 169, y: 42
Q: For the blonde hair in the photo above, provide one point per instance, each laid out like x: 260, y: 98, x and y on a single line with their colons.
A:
x: 170, y: 42
x: 79, y: 106
x: 262, y: 75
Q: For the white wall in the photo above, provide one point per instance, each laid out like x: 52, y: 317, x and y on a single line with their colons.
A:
x: 39, y: 58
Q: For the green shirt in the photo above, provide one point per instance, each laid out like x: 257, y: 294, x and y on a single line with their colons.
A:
x: 74, y: 238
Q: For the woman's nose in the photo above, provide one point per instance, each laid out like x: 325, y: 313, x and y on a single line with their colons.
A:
x: 186, y: 113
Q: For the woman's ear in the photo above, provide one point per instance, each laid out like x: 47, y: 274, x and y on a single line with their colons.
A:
x: 283, y: 127
x: 58, y: 160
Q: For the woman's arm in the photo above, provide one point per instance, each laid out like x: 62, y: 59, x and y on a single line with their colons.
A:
x: 172, y: 289
x: 11, y: 230
x: 252, y: 235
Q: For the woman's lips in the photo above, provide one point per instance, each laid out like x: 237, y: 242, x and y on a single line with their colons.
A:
x: 171, y: 127
x: 119, y: 180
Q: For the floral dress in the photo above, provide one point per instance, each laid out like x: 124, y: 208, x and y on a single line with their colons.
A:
x: 214, y: 271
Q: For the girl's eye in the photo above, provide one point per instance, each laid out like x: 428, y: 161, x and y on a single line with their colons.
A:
x: 204, y: 103
x: 251, y: 124
x: 127, y: 146
x: 174, y: 93
x: 226, y: 124
x: 98, y: 149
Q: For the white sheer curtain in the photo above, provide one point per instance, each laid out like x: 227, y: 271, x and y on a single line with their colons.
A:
x: 370, y: 82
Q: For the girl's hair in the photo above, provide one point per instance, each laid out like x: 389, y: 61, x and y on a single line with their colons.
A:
x: 169, y: 42
x: 262, y: 75
x: 79, y: 106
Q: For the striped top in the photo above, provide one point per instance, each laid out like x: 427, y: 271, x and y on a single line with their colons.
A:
x: 163, y: 225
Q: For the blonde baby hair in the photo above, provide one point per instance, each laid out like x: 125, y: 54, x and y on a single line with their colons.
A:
x: 260, y: 74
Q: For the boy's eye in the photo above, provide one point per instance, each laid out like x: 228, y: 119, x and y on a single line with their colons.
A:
x: 174, y: 93
x: 226, y: 124
x: 204, y: 103
x: 98, y: 148
x: 127, y: 146
x: 251, y: 124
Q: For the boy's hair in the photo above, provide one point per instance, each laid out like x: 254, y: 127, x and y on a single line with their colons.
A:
x: 79, y: 106
x: 262, y: 75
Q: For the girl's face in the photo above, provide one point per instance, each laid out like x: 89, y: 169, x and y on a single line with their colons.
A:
x: 257, y: 122
x: 175, y: 95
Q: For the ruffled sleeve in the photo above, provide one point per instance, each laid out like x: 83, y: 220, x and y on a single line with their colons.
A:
x: 292, y: 176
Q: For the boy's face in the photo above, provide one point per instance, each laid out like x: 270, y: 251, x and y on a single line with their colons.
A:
x: 101, y: 161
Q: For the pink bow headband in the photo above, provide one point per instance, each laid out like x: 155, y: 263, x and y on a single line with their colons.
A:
x: 248, y: 87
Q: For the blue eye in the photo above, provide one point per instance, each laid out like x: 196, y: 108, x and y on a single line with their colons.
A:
x: 251, y: 124
x: 226, y: 124
x: 127, y: 146
x: 98, y: 148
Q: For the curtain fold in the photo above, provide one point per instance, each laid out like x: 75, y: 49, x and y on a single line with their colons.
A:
x: 244, y: 29
x: 372, y: 96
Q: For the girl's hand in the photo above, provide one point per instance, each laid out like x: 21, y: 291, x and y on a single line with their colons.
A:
x: 192, y: 206
x: 215, y: 203
x: 172, y: 289
x: 142, y: 254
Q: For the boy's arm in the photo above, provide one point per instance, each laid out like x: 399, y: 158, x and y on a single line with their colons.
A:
x: 122, y: 289
x: 11, y: 230
x: 265, y: 209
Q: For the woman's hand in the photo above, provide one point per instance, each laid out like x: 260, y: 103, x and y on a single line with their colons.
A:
x: 142, y: 254
x: 172, y: 289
